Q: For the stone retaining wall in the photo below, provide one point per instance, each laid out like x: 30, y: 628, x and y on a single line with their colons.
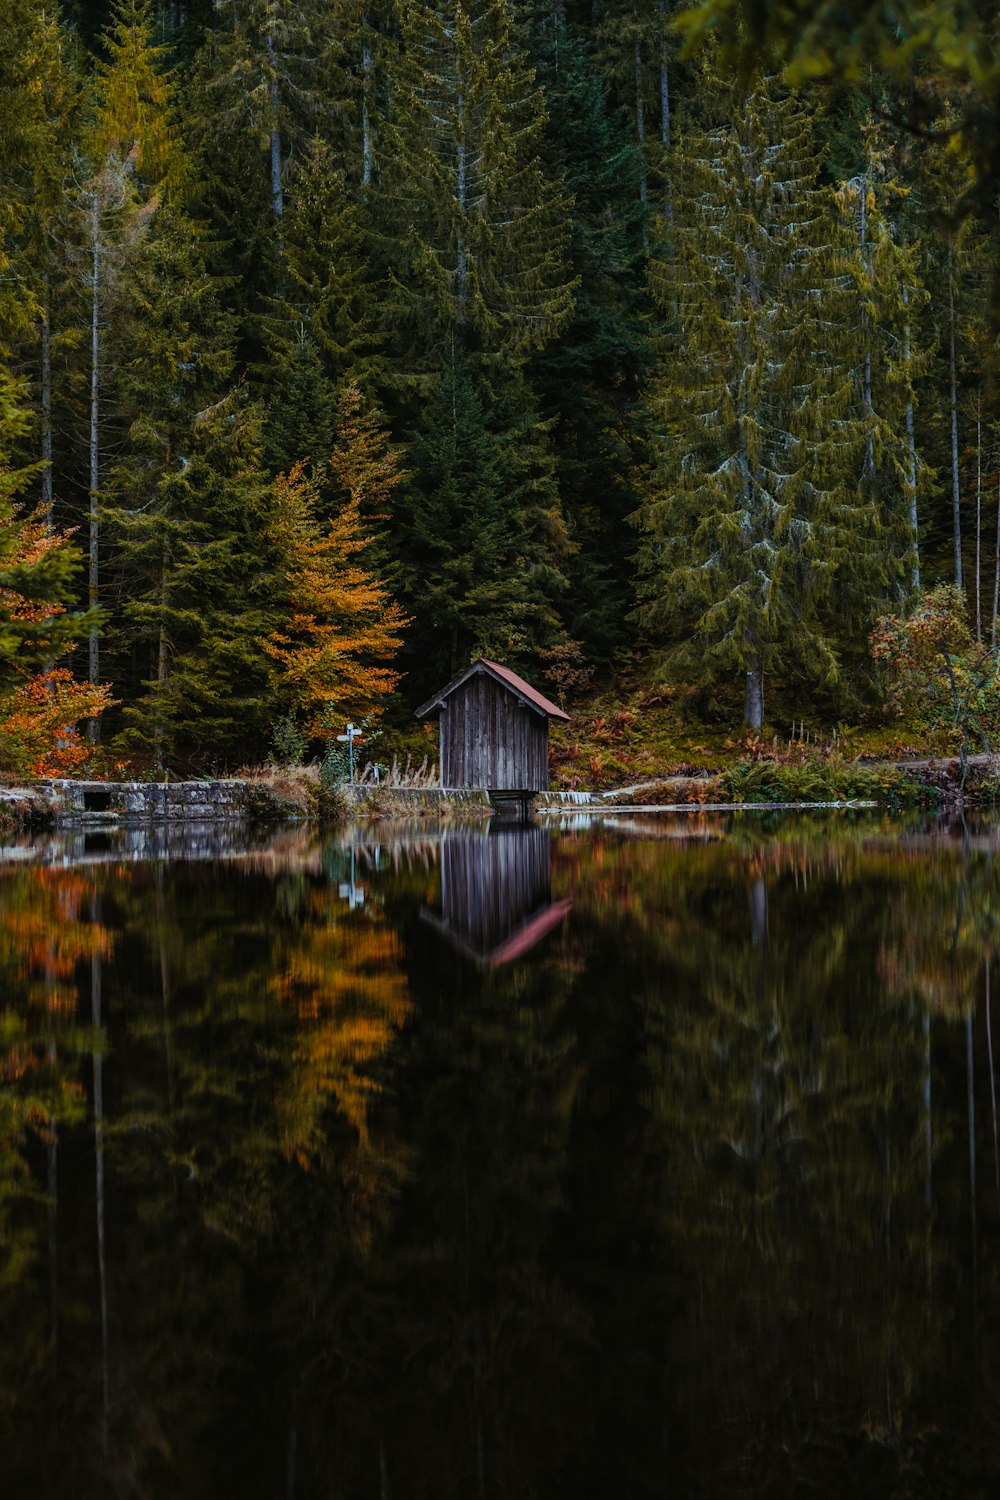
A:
x: 409, y: 801
x: 93, y: 803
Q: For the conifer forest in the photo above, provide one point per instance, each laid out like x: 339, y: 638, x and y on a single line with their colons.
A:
x: 649, y: 350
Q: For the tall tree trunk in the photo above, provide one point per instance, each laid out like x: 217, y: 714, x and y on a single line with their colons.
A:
x: 93, y: 575
x: 640, y: 121
x: 668, y: 192
x: 461, y: 195
x: 911, y: 452
x: 868, y: 470
x: 277, y: 192
x: 46, y: 405
x: 956, y: 511
x: 753, y: 705
x: 367, y: 153
x: 996, y: 581
x: 979, y: 515
x: 162, y: 666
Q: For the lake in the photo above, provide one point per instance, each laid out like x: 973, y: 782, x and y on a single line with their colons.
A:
x: 645, y: 1157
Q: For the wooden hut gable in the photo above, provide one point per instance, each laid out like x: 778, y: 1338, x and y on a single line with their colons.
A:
x: 494, y: 730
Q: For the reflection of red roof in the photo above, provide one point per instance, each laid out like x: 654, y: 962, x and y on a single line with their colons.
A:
x: 531, y: 933
x: 509, y: 679
x: 520, y: 686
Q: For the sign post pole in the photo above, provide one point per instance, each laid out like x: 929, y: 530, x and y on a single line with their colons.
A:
x: 349, y: 738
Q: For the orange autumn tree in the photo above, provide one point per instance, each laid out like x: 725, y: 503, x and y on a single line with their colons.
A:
x: 332, y: 657
x: 40, y: 703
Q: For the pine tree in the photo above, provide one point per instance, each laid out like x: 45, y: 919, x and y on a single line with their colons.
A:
x: 175, y: 361
x: 483, y: 542
x: 475, y: 235
x: 589, y: 378
x: 22, y: 132
x: 888, y: 299
x: 133, y: 153
x: 219, y: 601
x: 754, y: 522
x: 135, y: 97
x: 322, y: 331
x: 269, y: 77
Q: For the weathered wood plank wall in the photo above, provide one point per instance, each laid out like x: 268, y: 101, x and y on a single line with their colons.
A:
x: 489, y: 740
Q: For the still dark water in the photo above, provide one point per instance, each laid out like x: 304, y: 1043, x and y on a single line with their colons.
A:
x: 635, y: 1160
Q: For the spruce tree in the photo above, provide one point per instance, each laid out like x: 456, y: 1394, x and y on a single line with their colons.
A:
x: 888, y: 300
x: 321, y: 331
x: 589, y: 379
x: 209, y: 699
x: 483, y: 541
x: 474, y: 234
x: 175, y: 361
x: 754, y: 523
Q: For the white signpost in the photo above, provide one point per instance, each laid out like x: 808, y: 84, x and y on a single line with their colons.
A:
x: 348, y: 739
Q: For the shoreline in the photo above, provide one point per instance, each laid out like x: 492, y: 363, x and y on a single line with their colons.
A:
x: 289, y: 797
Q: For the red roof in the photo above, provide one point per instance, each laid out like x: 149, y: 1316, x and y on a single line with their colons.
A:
x: 525, y: 689
x: 509, y: 679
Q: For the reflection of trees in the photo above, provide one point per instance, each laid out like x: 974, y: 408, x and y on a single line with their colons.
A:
x: 48, y: 938
x: 788, y: 1120
x: 645, y: 1211
x: 45, y: 935
x: 490, y: 1329
x: 340, y: 975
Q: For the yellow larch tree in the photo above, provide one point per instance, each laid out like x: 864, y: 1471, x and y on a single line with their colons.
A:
x: 333, y: 654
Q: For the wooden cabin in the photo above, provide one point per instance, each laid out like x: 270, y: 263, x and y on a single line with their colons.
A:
x: 496, y: 902
x: 494, y: 731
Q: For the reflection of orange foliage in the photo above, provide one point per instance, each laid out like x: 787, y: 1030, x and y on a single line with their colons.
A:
x: 42, y: 936
x: 345, y: 983
x: 38, y: 722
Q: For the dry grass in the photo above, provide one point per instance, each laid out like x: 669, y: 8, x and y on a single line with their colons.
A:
x: 414, y: 778
x: 299, y: 786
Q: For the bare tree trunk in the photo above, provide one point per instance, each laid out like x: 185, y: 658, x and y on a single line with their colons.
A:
x: 668, y: 192
x: 367, y: 154
x: 912, y: 454
x: 461, y: 194
x: 162, y: 669
x: 93, y: 576
x: 979, y: 515
x: 640, y: 122
x: 277, y: 192
x: 46, y: 405
x: 956, y: 511
x: 996, y: 581
x: 868, y: 471
x: 753, y: 705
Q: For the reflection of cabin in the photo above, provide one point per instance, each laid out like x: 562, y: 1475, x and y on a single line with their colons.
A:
x: 494, y: 730
x: 496, y: 894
